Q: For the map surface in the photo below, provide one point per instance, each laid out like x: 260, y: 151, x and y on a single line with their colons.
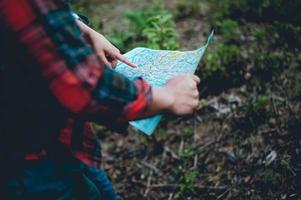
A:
x: 156, y: 67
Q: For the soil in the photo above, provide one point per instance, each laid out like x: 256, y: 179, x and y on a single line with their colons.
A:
x: 230, y: 162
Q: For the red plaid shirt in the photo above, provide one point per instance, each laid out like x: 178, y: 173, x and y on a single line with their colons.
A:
x: 53, y: 85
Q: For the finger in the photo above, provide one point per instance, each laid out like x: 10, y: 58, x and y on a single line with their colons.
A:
x: 116, y: 50
x: 196, y: 79
x: 114, y: 63
x: 125, y: 60
x: 104, y: 59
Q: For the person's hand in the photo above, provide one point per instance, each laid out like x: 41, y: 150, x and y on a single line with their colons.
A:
x: 183, y: 93
x: 105, y: 51
x: 179, y: 96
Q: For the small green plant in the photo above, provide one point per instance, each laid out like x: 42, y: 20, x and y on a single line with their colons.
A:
x: 82, y: 6
x: 259, y: 35
x: 239, y: 191
x: 143, y: 139
x: 123, y: 40
x: 294, y: 85
x: 152, y: 28
x: 187, y: 132
x: 229, y: 29
x: 223, y: 68
x: 286, y: 163
x: 259, y: 103
x: 189, y: 8
x: 187, y: 176
x: 187, y: 182
x: 287, y: 34
x: 160, y: 33
x: 256, y: 112
x: 255, y: 10
x: 160, y: 135
x: 269, y: 177
x: 185, y: 155
x: 270, y: 64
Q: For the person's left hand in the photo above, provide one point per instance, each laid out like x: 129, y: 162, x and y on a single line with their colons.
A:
x: 106, y: 52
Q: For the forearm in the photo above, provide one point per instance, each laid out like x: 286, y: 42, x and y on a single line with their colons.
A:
x: 162, y: 102
x: 83, y: 27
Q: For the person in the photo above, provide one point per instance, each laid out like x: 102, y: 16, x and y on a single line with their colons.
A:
x: 56, y: 78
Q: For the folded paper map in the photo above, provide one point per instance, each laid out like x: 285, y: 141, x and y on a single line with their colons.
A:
x: 156, y: 67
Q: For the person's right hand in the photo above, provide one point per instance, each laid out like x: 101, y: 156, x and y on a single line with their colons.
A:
x: 183, y: 93
x: 179, y: 96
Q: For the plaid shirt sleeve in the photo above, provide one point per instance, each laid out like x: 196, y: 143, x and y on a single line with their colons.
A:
x: 79, y: 81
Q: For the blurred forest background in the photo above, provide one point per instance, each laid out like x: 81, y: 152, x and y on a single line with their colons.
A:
x: 243, y: 142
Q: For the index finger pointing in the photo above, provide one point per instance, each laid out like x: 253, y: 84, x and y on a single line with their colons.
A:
x: 126, y: 61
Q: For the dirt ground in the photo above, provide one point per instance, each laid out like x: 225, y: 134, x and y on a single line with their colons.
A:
x: 228, y: 162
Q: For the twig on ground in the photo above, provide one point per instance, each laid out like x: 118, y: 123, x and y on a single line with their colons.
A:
x: 199, y: 148
x: 170, y: 196
x: 195, y: 163
x: 152, y: 167
x: 181, y: 147
x: 149, y: 180
x: 173, y: 154
x: 196, y: 187
x: 223, y: 194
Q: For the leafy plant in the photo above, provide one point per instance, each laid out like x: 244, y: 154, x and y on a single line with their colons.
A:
x: 187, y: 181
x: 153, y: 28
x: 229, y: 29
x: 123, y: 40
x: 286, y: 163
x: 187, y: 176
x: 256, y: 112
x: 269, y: 177
x: 189, y: 8
x: 187, y: 132
x: 259, y: 10
x: 288, y: 35
x: 224, y: 67
x: 83, y: 7
x: 269, y: 64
